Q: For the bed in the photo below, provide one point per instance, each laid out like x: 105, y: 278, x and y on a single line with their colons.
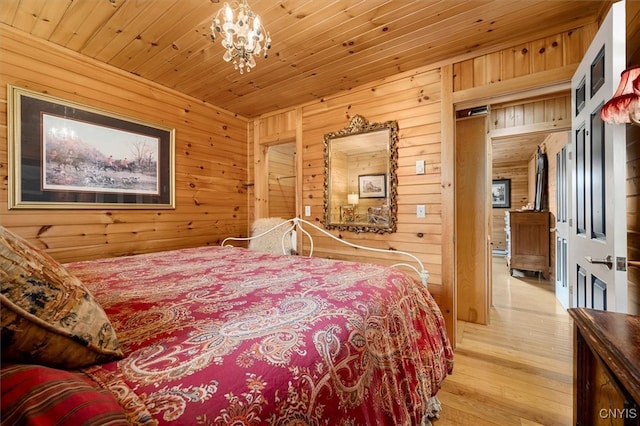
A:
x: 216, y: 335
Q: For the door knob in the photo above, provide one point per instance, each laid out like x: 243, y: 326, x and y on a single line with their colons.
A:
x: 608, y: 261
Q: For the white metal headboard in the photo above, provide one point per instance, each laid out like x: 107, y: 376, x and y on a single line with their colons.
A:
x: 294, y: 224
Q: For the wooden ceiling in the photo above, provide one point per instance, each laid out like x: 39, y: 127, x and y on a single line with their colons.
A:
x: 514, y: 150
x: 320, y: 47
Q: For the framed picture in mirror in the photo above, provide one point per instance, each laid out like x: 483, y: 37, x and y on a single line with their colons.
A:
x: 372, y: 186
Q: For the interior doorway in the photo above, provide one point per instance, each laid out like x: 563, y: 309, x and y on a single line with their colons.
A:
x: 512, y: 145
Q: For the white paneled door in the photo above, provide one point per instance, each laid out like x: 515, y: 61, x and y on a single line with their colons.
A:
x: 597, y: 227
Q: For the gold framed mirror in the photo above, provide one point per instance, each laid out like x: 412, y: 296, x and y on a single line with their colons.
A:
x: 360, y: 181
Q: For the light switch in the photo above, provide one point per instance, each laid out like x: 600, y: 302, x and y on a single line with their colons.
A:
x: 307, y: 210
x: 419, y: 167
x: 420, y: 210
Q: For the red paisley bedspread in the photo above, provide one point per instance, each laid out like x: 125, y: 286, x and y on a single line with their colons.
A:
x: 224, y: 335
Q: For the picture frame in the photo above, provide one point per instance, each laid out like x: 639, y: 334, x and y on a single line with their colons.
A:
x: 501, y: 193
x: 372, y: 186
x: 65, y: 155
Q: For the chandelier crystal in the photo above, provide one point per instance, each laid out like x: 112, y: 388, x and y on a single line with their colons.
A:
x: 243, y: 37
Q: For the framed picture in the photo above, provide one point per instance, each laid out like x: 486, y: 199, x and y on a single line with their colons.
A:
x: 372, y: 186
x: 501, y: 193
x: 66, y: 155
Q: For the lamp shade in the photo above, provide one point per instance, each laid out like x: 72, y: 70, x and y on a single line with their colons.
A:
x: 353, y: 199
x: 624, y: 106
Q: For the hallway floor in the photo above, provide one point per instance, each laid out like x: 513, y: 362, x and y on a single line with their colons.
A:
x: 518, y: 369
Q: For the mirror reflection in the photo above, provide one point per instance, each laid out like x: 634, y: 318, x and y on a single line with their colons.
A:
x: 360, y: 177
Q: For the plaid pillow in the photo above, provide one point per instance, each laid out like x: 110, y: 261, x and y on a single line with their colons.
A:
x: 34, y: 395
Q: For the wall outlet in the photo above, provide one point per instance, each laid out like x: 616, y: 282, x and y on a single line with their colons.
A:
x: 420, y: 210
x: 419, y: 167
x: 307, y: 210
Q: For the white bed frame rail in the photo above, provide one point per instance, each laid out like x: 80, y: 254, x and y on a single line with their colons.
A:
x: 295, y: 224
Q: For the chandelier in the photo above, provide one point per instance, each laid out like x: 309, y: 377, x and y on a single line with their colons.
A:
x: 243, y: 37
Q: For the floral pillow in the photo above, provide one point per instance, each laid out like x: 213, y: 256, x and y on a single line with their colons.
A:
x: 48, y: 316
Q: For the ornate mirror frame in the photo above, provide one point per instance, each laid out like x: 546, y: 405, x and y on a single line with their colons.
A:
x: 374, y: 211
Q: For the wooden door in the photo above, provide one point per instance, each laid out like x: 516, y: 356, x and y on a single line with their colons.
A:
x: 472, y: 245
x: 597, y: 238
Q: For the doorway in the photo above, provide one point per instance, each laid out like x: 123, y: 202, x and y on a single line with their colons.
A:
x: 510, y: 141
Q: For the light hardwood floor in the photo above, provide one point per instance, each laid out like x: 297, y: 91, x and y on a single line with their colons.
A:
x: 518, y: 370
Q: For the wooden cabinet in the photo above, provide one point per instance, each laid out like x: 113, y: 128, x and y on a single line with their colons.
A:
x: 606, y: 368
x: 528, y: 241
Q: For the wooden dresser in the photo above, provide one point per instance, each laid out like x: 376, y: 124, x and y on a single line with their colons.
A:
x: 527, y: 234
x: 606, y: 368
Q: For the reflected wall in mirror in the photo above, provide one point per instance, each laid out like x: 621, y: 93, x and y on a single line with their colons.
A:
x: 281, y: 164
x: 360, y: 182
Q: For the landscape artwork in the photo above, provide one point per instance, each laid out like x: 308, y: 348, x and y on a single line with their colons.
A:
x: 82, y: 156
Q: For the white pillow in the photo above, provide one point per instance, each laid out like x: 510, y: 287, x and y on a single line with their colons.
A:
x: 272, y: 241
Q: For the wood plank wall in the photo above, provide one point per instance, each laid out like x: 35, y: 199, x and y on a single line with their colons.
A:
x: 207, y: 173
x: 633, y: 167
x: 414, y: 100
x: 537, y: 56
x: 210, y: 165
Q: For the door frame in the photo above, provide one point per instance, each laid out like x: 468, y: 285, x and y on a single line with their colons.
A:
x: 564, y: 292
x: 260, y: 165
x: 516, y: 89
